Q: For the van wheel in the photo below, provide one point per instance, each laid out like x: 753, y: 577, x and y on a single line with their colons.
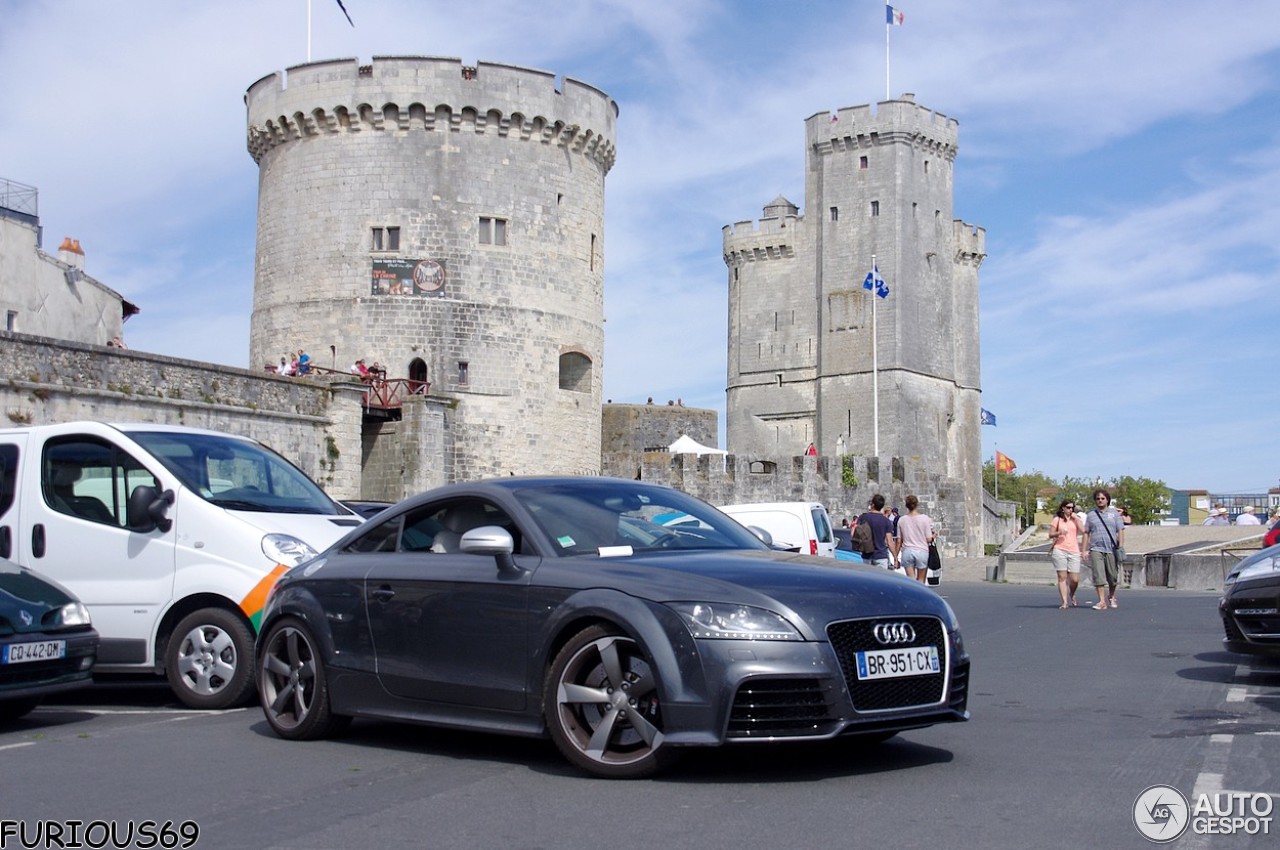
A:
x: 209, y: 660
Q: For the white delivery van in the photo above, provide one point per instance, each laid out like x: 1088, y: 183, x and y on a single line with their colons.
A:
x: 171, y: 536
x: 799, y: 526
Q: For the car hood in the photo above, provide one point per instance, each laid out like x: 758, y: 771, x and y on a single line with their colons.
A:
x: 319, y: 531
x: 817, y: 590
x: 25, y: 599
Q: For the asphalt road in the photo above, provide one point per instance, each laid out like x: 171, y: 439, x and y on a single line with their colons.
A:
x: 1075, y: 713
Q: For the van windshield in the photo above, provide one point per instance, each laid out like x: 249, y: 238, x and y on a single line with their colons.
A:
x: 236, y: 474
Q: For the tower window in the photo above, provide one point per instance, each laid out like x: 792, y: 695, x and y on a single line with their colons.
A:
x: 493, y: 231
x: 463, y: 377
x: 575, y: 372
x: 835, y: 213
x: 926, y: 166
x: 386, y: 239
x: 875, y: 208
x: 11, y: 320
x: 862, y: 163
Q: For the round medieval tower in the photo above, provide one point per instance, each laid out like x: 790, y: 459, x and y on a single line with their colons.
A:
x: 446, y: 221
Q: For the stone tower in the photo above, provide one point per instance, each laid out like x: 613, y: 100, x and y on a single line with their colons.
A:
x: 878, y: 182
x: 447, y: 221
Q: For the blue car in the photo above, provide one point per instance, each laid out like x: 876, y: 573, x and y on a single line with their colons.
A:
x: 47, y: 642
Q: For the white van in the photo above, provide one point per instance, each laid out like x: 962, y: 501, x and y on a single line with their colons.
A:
x: 171, y: 536
x: 799, y: 526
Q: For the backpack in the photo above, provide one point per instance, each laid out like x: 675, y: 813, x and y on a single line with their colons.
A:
x: 863, y: 539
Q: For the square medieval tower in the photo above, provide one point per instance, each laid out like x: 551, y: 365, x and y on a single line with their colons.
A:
x: 804, y: 357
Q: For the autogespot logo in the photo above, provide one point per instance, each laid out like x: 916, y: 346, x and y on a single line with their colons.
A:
x: 1161, y: 813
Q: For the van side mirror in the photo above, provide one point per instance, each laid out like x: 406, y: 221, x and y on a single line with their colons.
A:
x: 146, y: 509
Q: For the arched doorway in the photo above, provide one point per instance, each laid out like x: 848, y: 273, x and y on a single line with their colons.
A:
x: 418, y: 383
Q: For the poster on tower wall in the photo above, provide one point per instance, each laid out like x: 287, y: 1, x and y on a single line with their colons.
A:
x: 408, y: 277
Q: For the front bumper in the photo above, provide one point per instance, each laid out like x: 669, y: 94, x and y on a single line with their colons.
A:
x: 1250, y: 613
x: 778, y: 690
x: 42, y: 678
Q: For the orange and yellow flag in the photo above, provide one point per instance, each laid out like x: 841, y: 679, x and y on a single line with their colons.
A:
x: 1004, y: 463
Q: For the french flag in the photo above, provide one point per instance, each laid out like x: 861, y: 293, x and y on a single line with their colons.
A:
x: 893, y: 17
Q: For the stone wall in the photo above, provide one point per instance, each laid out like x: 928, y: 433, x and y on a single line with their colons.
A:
x: 844, y: 485
x: 314, y: 424
x: 647, y: 427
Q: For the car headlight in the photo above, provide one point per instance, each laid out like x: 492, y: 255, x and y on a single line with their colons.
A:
x: 74, y: 614
x: 734, y: 622
x: 1259, y: 569
x: 286, y: 549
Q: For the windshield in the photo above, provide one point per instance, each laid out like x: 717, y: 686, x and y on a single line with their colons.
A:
x: 619, y: 518
x: 236, y: 474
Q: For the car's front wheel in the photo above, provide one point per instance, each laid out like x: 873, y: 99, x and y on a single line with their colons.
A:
x: 209, y: 659
x: 292, y: 684
x: 602, y: 707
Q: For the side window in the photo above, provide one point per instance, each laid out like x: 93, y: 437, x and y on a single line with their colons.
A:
x: 91, y: 479
x: 822, y: 526
x: 8, y: 477
x: 436, y: 528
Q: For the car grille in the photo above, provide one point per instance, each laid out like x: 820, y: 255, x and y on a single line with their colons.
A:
x: 779, y: 707
x: 1253, y: 620
x: 853, y: 636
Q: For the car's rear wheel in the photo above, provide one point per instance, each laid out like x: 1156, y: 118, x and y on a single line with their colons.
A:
x: 602, y: 706
x: 12, y: 709
x: 292, y: 684
x: 209, y: 659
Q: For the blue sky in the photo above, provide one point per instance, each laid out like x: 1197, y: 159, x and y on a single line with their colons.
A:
x: 1124, y: 158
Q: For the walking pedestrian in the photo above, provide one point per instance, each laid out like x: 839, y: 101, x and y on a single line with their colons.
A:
x: 1065, y: 531
x: 1103, y: 535
x: 913, y: 535
x: 881, y: 533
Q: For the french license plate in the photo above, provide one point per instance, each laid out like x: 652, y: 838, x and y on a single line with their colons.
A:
x: 894, y: 663
x: 45, y: 650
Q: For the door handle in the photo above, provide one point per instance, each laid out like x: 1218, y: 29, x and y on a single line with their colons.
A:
x: 37, y: 540
x: 383, y: 594
x: 6, y: 542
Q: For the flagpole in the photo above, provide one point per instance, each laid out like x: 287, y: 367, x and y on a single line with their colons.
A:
x: 886, y: 59
x: 875, y: 367
x: 309, y: 31
x: 997, y: 473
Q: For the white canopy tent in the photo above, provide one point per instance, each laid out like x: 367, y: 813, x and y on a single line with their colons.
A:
x: 687, y: 445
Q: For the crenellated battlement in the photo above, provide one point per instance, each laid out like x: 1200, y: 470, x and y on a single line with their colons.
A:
x: 430, y: 94
x: 766, y: 239
x: 890, y: 121
x: 971, y: 243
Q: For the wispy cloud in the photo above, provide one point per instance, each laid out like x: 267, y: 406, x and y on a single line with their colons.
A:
x: 1122, y: 156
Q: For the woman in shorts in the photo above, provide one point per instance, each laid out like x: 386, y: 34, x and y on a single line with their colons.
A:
x: 1065, y: 531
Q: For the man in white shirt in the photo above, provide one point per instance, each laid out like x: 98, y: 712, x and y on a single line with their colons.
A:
x: 1248, y: 517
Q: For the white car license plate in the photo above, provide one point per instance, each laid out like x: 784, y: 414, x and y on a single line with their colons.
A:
x: 893, y: 663
x: 45, y: 650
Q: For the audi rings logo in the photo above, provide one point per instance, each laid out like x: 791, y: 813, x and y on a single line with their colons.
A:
x: 894, y: 633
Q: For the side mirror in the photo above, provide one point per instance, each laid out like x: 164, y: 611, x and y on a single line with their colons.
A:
x: 146, y: 509
x: 765, y: 537
x: 490, y: 540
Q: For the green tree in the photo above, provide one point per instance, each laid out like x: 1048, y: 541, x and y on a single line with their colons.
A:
x: 1145, y: 499
x: 1015, y: 487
